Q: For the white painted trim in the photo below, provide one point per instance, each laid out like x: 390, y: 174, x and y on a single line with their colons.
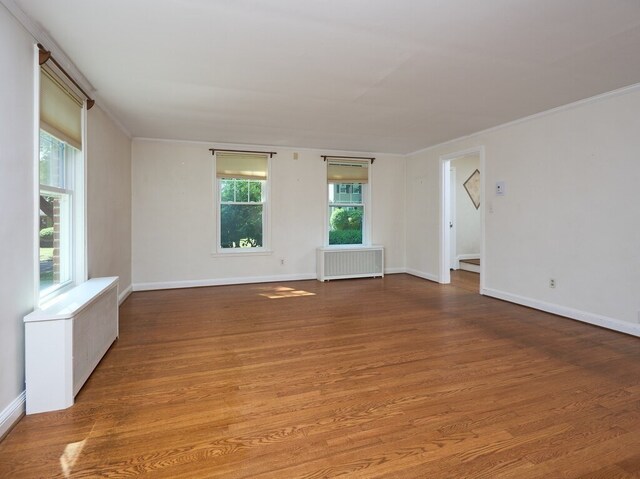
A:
x: 445, y: 184
x: 125, y: 294
x: 568, y: 106
x: 36, y: 176
x: 468, y: 256
x: 584, y: 316
x: 483, y: 216
x: 10, y: 415
x: 453, y: 219
x: 197, y: 283
x: 423, y: 275
x: 444, y: 276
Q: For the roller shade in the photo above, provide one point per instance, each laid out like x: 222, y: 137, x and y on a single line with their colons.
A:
x: 241, y: 165
x: 338, y: 172
x: 60, y: 110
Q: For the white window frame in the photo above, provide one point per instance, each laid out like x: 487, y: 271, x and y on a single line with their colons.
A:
x: 77, y: 197
x: 366, y: 205
x: 218, y: 250
x: 74, y: 190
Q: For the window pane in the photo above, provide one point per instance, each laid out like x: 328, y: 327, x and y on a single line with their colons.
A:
x: 240, y: 226
x: 242, y: 191
x: 346, y: 193
x: 255, y: 191
x: 227, y: 190
x: 345, y: 225
x: 53, y: 164
x: 55, y: 239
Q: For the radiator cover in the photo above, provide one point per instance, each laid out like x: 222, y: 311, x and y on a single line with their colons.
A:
x: 350, y: 262
x: 65, y: 340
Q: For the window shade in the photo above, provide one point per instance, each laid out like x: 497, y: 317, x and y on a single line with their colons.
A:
x: 241, y: 165
x: 60, y: 110
x: 347, y: 172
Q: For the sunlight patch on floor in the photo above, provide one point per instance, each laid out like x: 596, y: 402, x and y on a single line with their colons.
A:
x: 279, y: 292
x: 70, y: 456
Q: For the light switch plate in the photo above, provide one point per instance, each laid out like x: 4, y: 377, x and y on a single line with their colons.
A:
x: 501, y: 188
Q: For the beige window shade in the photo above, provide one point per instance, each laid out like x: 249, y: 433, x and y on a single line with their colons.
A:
x: 347, y: 172
x: 241, y: 165
x: 60, y: 110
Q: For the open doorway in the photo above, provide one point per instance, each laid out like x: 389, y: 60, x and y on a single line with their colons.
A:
x: 462, y: 216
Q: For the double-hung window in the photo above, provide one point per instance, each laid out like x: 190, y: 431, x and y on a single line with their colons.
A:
x: 61, y: 203
x: 242, y: 200
x: 348, y: 202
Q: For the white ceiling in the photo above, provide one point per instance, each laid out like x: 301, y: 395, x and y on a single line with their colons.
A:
x: 367, y: 75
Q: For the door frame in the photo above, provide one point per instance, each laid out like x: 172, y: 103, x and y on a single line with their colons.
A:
x: 445, y: 212
x: 453, y: 226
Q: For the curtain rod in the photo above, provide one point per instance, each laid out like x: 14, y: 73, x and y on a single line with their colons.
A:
x: 270, y: 153
x: 324, y: 158
x: 45, y: 56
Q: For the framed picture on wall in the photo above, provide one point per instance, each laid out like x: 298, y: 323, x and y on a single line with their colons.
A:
x: 472, y: 185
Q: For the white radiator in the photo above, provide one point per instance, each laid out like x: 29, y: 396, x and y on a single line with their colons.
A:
x: 350, y: 262
x: 65, y: 340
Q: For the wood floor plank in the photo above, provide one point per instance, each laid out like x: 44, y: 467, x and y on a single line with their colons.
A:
x: 387, y: 378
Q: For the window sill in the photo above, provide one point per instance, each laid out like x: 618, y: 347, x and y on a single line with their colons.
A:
x: 240, y: 254
x: 49, y: 294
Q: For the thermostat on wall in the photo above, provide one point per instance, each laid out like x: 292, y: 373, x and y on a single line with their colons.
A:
x: 500, y: 188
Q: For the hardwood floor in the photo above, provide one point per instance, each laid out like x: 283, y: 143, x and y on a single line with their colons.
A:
x: 387, y: 378
x: 466, y: 280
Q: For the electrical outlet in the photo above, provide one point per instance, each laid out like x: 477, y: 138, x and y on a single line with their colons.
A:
x: 552, y: 283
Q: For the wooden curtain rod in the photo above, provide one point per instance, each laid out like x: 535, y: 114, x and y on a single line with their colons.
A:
x: 324, y: 158
x: 270, y: 153
x: 45, y: 55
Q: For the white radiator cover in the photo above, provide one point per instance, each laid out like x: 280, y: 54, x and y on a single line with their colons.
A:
x: 65, y: 340
x: 350, y: 262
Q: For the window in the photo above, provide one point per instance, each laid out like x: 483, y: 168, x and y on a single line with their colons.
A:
x: 242, y: 183
x: 347, y: 184
x: 60, y: 186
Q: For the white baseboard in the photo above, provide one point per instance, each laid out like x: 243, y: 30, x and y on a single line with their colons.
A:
x: 221, y: 282
x: 12, y: 414
x: 420, y: 274
x: 125, y: 294
x: 591, y: 318
x: 468, y: 256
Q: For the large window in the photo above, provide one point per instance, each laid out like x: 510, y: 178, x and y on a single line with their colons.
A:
x: 60, y: 179
x: 242, y: 201
x: 347, y: 184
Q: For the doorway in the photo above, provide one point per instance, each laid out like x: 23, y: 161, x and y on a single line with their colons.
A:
x: 462, y: 214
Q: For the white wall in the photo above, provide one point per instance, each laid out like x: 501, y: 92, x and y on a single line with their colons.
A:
x: 467, y: 216
x: 108, y: 199
x: 173, y: 215
x: 570, y: 210
x: 17, y: 227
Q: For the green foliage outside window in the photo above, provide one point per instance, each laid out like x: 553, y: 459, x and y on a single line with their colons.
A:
x: 241, y: 212
x: 346, y: 225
